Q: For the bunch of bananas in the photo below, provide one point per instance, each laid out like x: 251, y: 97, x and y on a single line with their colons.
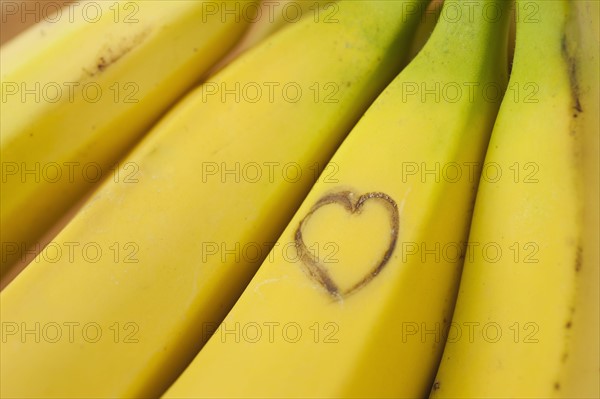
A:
x: 337, y: 202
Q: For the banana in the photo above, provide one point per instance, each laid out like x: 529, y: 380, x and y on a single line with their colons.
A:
x: 138, y: 277
x: 350, y: 301
x: 274, y: 16
x: 83, y: 85
x: 428, y: 22
x: 527, y: 315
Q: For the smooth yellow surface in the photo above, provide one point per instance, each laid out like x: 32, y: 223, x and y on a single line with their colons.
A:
x: 534, y: 307
x: 80, y: 89
x: 279, y: 14
x: 179, y: 243
x: 299, y: 329
x: 276, y: 15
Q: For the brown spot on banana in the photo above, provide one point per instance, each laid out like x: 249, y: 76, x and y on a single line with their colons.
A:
x: 111, y: 53
x: 570, y: 59
x: 578, y: 258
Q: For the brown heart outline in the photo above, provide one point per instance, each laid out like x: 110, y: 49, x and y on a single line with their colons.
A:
x: 345, y: 198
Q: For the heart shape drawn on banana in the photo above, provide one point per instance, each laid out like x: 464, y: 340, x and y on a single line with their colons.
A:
x: 312, y: 264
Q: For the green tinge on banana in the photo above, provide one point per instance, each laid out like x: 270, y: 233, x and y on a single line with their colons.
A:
x: 158, y: 262
x: 353, y: 309
x: 528, y: 312
x: 78, y: 90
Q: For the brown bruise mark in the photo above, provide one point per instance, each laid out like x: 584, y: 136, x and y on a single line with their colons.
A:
x: 568, y: 324
x: 110, y: 54
x: 101, y: 64
x: 564, y: 358
x: 557, y: 386
x: 572, y: 70
x: 578, y: 258
x: 436, y: 386
x: 345, y: 198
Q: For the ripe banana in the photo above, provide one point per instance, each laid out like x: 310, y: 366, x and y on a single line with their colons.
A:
x: 275, y: 15
x: 145, y: 269
x: 526, y: 323
x: 343, y: 313
x: 80, y: 87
